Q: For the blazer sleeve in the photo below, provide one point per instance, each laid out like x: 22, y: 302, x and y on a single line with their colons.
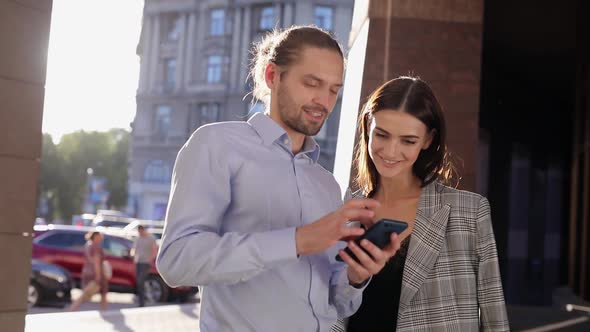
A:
x: 490, y: 295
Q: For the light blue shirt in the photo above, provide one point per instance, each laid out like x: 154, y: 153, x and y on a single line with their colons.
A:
x: 238, y: 193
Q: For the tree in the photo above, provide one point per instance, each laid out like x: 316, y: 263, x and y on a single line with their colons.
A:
x: 50, y: 176
x: 65, y: 165
x: 117, y: 168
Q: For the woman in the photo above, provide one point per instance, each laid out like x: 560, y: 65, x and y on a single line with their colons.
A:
x: 93, y: 278
x: 445, y: 277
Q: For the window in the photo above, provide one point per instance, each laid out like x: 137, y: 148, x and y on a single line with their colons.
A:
x: 114, y: 247
x: 162, y: 121
x: 175, y: 27
x: 169, y: 76
x: 323, y: 17
x: 267, y: 17
x: 214, y: 69
x: 208, y: 113
x: 157, y: 171
x: 73, y: 241
x: 217, y: 22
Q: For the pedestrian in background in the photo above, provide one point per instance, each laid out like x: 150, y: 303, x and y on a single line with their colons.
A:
x: 93, y: 278
x: 144, y: 253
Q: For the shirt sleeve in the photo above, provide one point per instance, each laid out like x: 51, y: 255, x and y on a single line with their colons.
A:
x: 194, y: 251
x: 344, y: 297
x: 489, y: 284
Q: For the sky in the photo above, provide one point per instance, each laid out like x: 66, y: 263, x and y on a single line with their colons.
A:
x: 92, y: 65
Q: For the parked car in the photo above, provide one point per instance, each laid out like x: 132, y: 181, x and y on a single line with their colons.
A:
x: 84, y: 219
x: 64, y: 246
x: 49, y: 284
x: 154, y: 227
x: 148, y: 224
x: 111, y: 221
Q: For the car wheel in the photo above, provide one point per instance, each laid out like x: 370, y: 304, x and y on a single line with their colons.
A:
x: 155, y: 289
x: 34, y: 295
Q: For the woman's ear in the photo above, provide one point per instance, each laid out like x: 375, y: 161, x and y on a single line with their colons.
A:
x: 429, y: 139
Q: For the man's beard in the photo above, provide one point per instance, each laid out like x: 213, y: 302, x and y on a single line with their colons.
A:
x: 292, y: 115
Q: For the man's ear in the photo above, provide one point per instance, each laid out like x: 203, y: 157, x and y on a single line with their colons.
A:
x: 429, y: 139
x: 271, y: 75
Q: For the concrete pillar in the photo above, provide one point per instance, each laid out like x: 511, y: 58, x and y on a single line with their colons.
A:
x: 245, y: 50
x: 155, y: 54
x: 180, y: 57
x: 235, y: 52
x: 440, y: 41
x: 277, y: 12
x: 190, y: 49
x: 288, y: 15
x: 24, y: 37
x: 197, y: 60
x: 145, y: 56
x: 304, y: 13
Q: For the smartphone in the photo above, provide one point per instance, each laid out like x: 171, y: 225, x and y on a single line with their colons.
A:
x: 379, y: 234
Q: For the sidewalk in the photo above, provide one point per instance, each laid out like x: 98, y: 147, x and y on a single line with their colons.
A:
x: 175, y: 318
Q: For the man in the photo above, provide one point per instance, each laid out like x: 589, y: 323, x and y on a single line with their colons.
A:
x: 144, y: 253
x: 253, y: 218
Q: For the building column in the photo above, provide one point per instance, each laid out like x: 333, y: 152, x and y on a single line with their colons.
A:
x: 288, y: 15
x: 190, y: 49
x: 278, y: 19
x: 155, y: 54
x: 197, y: 60
x: 439, y: 42
x: 180, y: 57
x: 23, y: 66
x: 246, y: 49
x: 235, y: 51
x: 145, y: 54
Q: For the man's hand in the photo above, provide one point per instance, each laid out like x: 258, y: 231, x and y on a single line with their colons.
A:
x: 370, y: 264
x: 323, y: 233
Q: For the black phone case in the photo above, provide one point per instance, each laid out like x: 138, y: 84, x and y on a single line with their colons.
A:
x: 379, y: 234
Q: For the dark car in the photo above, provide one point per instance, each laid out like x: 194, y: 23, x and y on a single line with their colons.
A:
x: 64, y: 246
x: 49, y: 284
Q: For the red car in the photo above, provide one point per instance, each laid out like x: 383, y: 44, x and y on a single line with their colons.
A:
x: 64, y: 246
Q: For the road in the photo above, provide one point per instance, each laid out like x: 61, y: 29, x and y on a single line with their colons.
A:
x: 122, y: 315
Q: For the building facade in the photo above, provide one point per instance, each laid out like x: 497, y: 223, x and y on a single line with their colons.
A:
x: 194, y: 70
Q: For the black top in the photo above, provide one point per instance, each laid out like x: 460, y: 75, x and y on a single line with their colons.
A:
x: 380, y: 306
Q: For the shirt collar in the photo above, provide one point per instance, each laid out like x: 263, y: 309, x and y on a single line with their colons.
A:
x: 271, y: 132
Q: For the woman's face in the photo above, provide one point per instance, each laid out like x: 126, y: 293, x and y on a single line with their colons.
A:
x: 395, y: 141
x: 98, y: 238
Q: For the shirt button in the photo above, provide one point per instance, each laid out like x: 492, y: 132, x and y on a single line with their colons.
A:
x: 286, y: 141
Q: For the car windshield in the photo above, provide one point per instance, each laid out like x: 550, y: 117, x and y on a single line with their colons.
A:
x: 69, y: 240
x: 111, y: 223
x: 116, y: 247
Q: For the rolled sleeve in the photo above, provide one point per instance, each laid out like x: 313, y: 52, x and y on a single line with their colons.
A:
x: 346, y: 298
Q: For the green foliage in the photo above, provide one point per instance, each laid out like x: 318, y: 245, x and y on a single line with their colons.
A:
x: 64, y: 169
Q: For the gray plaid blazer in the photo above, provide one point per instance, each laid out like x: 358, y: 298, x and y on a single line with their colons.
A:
x: 451, y: 280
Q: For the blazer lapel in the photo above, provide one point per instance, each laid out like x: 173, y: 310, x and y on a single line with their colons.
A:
x: 426, y: 242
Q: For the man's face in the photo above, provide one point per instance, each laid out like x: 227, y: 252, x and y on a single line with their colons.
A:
x: 306, y: 91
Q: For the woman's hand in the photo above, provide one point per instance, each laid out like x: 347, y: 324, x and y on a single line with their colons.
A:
x: 368, y: 264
